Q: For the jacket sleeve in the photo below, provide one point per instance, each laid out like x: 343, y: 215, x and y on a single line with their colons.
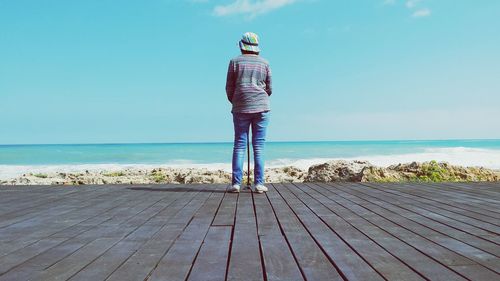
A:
x: 269, y: 82
x: 230, y: 82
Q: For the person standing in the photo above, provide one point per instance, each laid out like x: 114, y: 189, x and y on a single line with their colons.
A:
x: 248, y: 88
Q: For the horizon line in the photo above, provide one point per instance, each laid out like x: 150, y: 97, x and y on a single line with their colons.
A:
x: 227, y: 142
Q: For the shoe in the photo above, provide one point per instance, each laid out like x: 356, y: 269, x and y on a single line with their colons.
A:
x: 259, y: 188
x: 235, y: 188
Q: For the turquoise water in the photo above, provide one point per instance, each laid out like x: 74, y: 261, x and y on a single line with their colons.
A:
x: 206, y: 153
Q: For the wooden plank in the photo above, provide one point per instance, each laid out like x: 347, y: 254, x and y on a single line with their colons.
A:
x: 34, y: 266
x: 444, y: 203
x: 358, y: 218
x: 79, y: 239
x: 454, y: 191
x: 65, y: 268
x: 279, y: 262
x: 468, y: 194
x: 456, y: 197
x: 225, y: 214
x: 177, y: 262
x: 459, y: 225
x: 437, y: 252
x: 141, y: 263
x: 211, y: 262
x: 9, y: 261
x: 441, y: 239
x: 313, y: 262
x: 299, y: 232
x: 352, y: 266
x: 26, y: 257
x: 15, y: 236
x: 400, y: 206
x: 383, y: 261
x: 57, y: 200
x: 245, y: 261
x: 102, y: 267
x: 471, y: 191
x: 30, y: 199
x: 267, y: 224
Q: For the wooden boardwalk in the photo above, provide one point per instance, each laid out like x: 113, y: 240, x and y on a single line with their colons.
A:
x: 341, y: 231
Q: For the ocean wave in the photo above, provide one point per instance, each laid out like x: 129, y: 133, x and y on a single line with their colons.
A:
x: 462, y: 156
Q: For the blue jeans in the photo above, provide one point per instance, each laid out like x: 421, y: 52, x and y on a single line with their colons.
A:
x: 242, y: 122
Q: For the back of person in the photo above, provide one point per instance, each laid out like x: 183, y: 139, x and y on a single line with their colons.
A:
x: 250, y: 77
x: 248, y: 87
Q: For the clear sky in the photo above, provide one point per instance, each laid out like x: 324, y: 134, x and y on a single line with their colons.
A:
x: 100, y: 71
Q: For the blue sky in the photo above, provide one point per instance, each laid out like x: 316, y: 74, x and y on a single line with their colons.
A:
x: 100, y: 71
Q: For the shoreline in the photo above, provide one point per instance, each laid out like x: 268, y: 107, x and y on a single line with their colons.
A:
x: 458, y: 156
x: 322, y: 171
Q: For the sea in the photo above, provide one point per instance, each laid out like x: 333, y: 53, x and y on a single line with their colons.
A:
x: 16, y: 160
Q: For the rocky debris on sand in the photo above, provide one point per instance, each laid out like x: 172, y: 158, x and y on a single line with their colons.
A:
x: 333, y: 171
x: 363, y: 171
x: 378, y: 174
x: 186, y: 176
x: 285, y: 174
x: 339, y: 170
x: 442, y: 171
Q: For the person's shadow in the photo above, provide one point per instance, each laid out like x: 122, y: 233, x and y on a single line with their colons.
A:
x: 178, y: 189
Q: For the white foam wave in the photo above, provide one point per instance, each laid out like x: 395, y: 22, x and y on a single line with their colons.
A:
x: 463, y: 156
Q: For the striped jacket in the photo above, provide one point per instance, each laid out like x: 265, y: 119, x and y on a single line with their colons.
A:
x: 248, y: 84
